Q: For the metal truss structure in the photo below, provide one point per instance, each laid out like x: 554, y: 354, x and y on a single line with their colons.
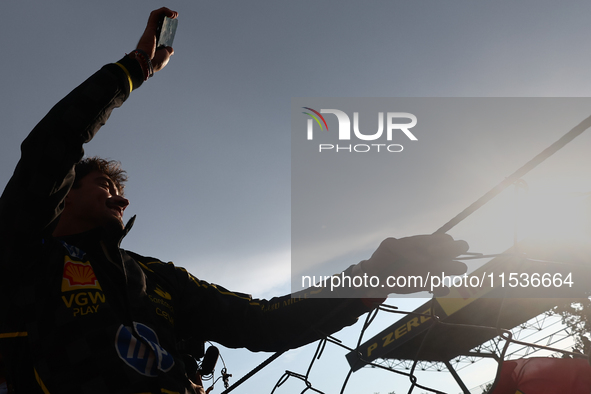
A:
x: 545, y: 330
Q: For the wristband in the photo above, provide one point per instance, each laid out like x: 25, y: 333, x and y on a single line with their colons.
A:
x: 144, y: 61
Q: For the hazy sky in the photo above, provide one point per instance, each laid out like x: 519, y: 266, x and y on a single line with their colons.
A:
x: 206, y: 142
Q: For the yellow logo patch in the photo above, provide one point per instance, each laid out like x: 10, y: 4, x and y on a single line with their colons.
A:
x: 78, y: 275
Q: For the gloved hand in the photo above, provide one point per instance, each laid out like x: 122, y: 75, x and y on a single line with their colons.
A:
x: 415, y: 256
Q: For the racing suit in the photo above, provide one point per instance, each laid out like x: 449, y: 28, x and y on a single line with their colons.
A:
x: 78, y: 314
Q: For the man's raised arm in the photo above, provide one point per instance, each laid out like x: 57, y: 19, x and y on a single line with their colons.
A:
x: 34, y: 196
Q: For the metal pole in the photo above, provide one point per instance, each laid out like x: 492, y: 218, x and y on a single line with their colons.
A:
x: 255, y: 370
x: 568, y: 137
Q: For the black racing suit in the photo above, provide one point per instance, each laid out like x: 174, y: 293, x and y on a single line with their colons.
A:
x: 80, y: 315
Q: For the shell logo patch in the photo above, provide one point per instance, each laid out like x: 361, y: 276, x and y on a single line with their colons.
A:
x: 78, y: 275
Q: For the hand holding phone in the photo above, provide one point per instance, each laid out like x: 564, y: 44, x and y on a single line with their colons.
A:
x: 160, y: 55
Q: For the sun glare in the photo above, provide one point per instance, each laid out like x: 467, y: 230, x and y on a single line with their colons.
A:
x: 555, y: 216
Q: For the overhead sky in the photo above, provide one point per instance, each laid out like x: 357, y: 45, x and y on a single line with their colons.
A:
x: 206, y: 142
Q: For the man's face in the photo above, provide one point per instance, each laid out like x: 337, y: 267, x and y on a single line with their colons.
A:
x: 96, y: 202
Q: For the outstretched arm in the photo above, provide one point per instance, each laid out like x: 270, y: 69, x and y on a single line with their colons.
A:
x: 210, y: 312
x: 412, y: 257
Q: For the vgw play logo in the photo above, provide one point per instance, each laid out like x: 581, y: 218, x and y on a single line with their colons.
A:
x: 393, y: 125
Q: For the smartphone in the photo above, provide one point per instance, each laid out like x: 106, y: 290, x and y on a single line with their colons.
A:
x: 165, y: 32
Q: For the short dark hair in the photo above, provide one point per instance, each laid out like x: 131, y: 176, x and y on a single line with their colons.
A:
x: 111, y: 168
